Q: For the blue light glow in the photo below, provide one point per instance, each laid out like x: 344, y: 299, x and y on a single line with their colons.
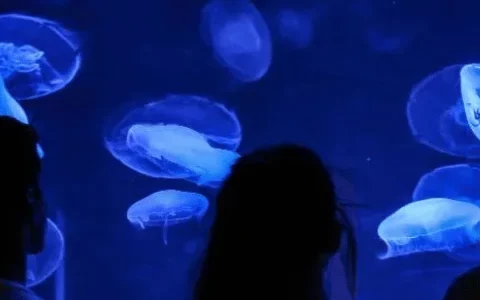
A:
x: 167, y: 208
x: 37, y: 56
x: 436, y: 224
x: 239, y: 37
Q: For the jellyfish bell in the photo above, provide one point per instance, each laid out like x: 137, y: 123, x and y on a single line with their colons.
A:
x: 131, y: 140
x: 435, y: 113
x: 167, y: 208
x: 436, y: 224
x: 37, y: 56
x: 239, y: 37
x: 42, y: 265
x: 173, y: 145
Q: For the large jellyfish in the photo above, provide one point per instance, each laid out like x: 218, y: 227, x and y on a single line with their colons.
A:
x: 458, y: 182
x: 436, y: 224
x: 182, y: 153
x: 218, y: 125
x: 10, y: 107
x: 167, y: 208
x: 41, y: 266
x: 436, y: 114
x: 239, y: 37
x: 470, y: 87
x: 37, y: 56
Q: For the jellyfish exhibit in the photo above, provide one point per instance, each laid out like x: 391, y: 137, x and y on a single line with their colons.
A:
x: 458, y: 182
x: 470, y: 88
x: 41, y: 266
x: 10, y: 107
x: 239, y: 37
x: 37, y: 56
x: 296, y: 27
x: 436, y: 114
x: 167, y: 208
x: 218, y: 125
x: 435, y: 224
x: 181, y: 153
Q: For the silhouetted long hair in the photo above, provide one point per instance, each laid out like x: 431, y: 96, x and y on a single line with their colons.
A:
x: 465, y: 287
x: 277, y: 224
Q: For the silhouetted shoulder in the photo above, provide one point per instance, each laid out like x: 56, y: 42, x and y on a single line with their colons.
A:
x: 465, y: 287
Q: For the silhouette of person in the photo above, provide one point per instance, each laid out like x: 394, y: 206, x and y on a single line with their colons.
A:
x: 22, y: 213
x: 276, y: 228
x: 465, y: 287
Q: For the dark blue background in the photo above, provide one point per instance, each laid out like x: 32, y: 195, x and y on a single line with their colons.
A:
x: 337, y: 96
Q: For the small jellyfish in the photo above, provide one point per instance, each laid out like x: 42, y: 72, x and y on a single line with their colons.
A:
x: 37, y: 56
x: 435, y: 224
x: 167, y: 208
x: 239, y: 37
x: 218, y: 125
x: 436, y: 115
x: 41, y: 266
x: 296, y: 27
x: 10, y: 107
x: 182, y: 153
x: 470, y: 88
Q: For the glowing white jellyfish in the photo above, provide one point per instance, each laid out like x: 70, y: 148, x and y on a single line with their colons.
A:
x: 37, y: 56
x: 41, y: 266
x: 436, y: 224
x: 239, y: 37
x: 458, y: 182
x: 436, y: 114
x: 470, y: 88
x: 182, y: 153
x: 10, y: 107
x: 217, y: 125
x: 167, y: 208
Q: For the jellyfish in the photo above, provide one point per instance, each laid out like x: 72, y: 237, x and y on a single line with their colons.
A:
x: 458, y: 182
x: 217, y: 124
x: 182, y: 153
x: 435, y: 224
x: 167, y: 208
x: 37, y: 56
x: 296, y: 27
x: 470, y: 88
x: 239, y: 37
x: 436, y: 115
x: 41, y: 266
x: 10, y: 107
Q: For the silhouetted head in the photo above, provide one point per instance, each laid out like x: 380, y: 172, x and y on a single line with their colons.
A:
x: 465, y: 287
x: 22, y: 217
x: 276, y: 226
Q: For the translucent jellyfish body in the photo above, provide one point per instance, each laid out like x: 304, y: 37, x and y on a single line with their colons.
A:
x: 37, y: 56
x: 470, y: 88
x: 239, y: 37
x: 182, y: 153
x: 436, y: 114
x: 10, y: 107
x: 458, y: 182
x: 218, y: 126
x: 436, y: 224
x: 167, y: 208
x: 41, y: 266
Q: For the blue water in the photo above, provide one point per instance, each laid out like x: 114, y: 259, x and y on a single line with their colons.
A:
x: 341, y: 88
